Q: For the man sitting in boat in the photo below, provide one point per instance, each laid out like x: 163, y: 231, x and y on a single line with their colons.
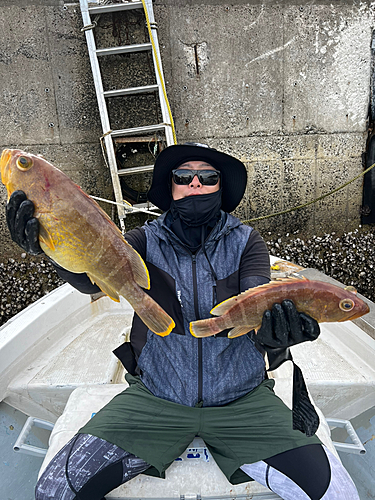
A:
x: 198, y: 255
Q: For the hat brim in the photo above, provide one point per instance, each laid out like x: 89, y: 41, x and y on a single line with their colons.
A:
x: 233, y: 174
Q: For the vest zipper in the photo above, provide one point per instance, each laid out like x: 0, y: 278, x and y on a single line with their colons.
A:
x: 196, y: 309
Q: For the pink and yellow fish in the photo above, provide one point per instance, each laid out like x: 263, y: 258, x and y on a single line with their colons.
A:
x: 244, y: 312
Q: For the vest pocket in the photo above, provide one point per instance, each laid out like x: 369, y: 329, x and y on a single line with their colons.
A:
x: 223, y: 290
x: 126, y: 355
x: 228, y: 287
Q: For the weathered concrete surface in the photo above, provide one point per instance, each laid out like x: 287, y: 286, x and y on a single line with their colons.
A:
x: 288, y: 171
x: 48, y: 103
x: 284, y: 86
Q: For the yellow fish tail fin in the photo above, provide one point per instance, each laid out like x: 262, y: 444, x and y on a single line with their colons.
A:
x: 104, y: 287
x: 204, y: 328
x: 155, y: 318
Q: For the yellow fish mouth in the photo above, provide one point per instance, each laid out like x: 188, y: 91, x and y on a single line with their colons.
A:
x: 4, y: 162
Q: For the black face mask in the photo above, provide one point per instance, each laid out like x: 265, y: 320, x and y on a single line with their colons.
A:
x: 194, y: 217
x: 197, y: 210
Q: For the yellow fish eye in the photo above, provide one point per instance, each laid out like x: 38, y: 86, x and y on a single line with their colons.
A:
x: 24, y: 163
x: 346, y: 305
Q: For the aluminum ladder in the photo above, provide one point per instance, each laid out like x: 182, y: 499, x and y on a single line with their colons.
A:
x: 109, y: 134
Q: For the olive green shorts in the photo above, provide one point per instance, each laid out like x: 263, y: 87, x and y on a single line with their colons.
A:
x: 254, y: 427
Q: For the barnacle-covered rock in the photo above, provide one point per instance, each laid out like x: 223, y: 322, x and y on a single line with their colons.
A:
x: 348, y: 258
x: 24, y: 281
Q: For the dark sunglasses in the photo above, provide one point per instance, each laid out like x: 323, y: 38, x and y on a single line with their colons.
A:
x: 183, y: 177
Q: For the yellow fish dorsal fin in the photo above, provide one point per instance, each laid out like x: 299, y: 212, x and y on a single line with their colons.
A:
x: 104, y: 287
x: 139, y: 268
x: 224, y: 306
x: 45, y: 238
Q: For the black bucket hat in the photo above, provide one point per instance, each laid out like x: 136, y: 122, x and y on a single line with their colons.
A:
x: 233, y: 173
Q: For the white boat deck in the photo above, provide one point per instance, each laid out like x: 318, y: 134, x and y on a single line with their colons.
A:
x: 45, y: 357
x: 339, y: 369
x: 73, y: 348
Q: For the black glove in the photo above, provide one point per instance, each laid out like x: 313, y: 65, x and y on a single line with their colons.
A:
x: 23, y: 226
x: 284, y: 326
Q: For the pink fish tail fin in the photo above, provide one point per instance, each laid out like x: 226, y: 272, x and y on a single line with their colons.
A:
x: 205, y: 327
x: 154, y: 317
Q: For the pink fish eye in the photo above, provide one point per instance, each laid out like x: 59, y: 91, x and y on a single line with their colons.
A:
x: 346, y: 305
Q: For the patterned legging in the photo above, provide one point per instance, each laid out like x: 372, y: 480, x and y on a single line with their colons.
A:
x: 87, y: 468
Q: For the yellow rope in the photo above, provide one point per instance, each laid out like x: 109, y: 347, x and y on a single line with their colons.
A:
x: 159, y: 71
x: 310, y: 202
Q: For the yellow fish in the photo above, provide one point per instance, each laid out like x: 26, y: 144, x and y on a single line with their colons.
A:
x: 77, y: 234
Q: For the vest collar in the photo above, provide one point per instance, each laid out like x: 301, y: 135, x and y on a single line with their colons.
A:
x: 224, y: 225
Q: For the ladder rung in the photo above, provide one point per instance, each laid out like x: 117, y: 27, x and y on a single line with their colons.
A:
x: 138, y: 130
x: 132, y: 139
x: 115, y: 7
x: 146, y: 206
x: 124, y: 49
x: 131, y: 91
x: 135, y: 170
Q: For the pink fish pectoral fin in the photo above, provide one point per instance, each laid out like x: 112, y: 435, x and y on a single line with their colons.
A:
x: 105, y: 288
x: 45, y: 238
x: 238, y: 331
